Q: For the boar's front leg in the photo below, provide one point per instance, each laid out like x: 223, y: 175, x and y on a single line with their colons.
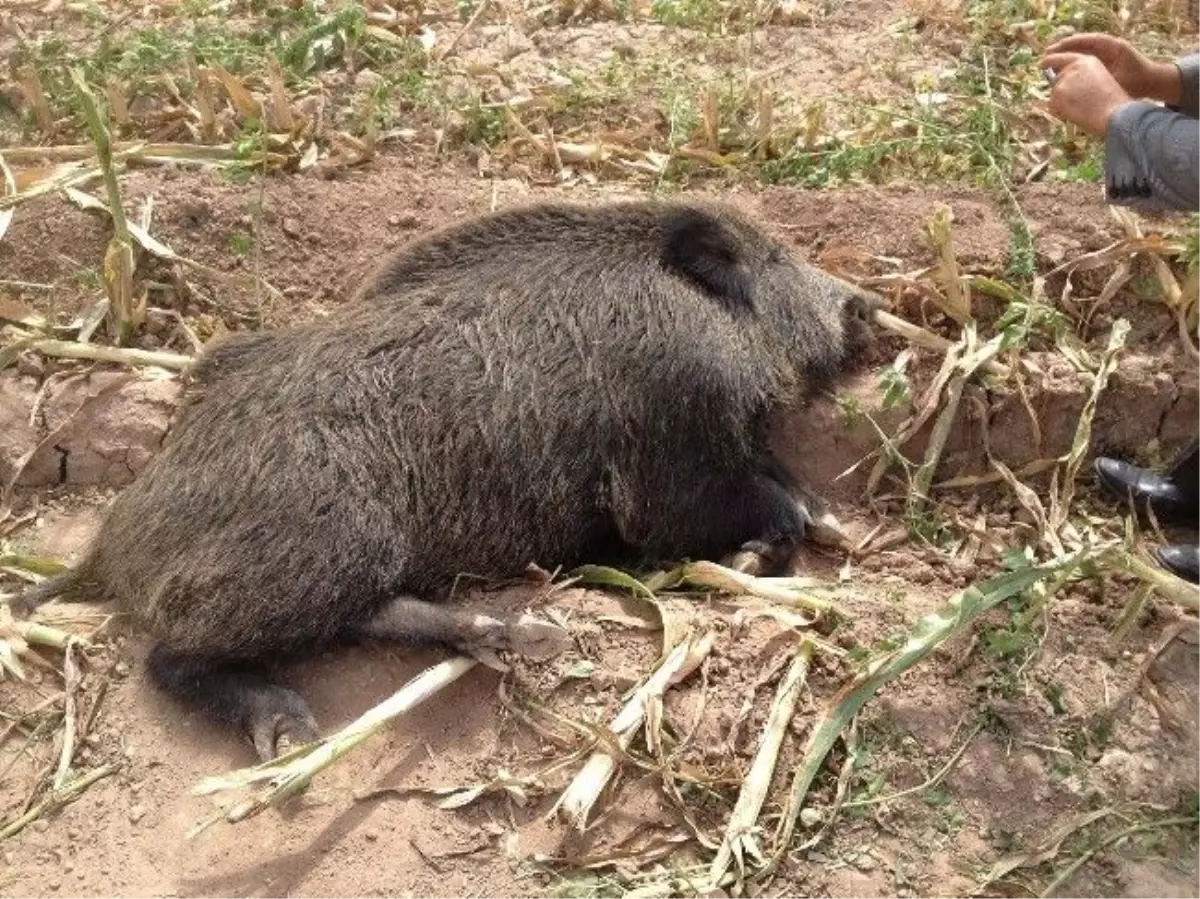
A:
x: 776, y: 520
x: 750, y: 520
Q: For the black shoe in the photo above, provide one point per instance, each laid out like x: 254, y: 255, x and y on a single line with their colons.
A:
x: 1181, y: 560
x: 1147, y: 489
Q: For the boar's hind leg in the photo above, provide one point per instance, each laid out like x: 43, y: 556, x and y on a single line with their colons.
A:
x: 416, y: 622
x: 239, y: 695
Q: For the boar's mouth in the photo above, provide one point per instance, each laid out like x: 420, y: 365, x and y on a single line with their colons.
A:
x: 860, y: 329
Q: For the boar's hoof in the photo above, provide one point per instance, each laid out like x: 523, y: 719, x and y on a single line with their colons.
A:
x: 757, y: 558
x: 280, y: 721
x: 486, y: 638
x: 537, y: 640
x: 526, y: 637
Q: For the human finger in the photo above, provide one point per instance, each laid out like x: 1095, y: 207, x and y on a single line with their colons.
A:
x: 1060, y: 61
x: 1091, y: 44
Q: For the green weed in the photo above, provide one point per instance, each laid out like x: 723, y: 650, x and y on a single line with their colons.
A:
x: 240, y: 244
x: 893, y: 381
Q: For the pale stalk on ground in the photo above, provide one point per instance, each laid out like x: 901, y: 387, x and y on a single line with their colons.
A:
x: 784, y: 590
x: 57, y: 799
x: 71, y: 678
x: 739, y: 839
x: 293, y: 772
x: 1173, y: 588
x: 581, y: 794
x: 927, y: 339
x: 68, y: 349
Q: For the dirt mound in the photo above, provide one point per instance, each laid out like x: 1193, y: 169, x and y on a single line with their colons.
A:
x: 92, y: 430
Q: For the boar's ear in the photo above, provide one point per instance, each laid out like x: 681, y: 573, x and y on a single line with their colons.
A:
x: 699, y: 247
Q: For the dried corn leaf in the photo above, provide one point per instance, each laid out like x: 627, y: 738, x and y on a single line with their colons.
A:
x: 765, y: 124
x: 1113, y: 253
x: 1060, y: 502
x: 652, y: 609
x: 1030, y: 501
x: 815, y: 120
x: 741, y: 834
x: 117, y: 274
x: 384, y: 35
x: 711, y: 116
x: 154, y: 246
x: 243, y: 101
x: 972, y: 359
x: 516, y: 787
x: 143, y: 151
x: 924, y: 411
x: 115, y: 92
x: 10, y: 190
x: 763, y: 609
x: 710, y: 157
x: 281, y: 118
x: 91, y: 318
x: 205, y: 106
x: 46, y: 180
x: 636, y: 858
x: 35, y: 96
x: 1044, y: 851
x: 957, y: 299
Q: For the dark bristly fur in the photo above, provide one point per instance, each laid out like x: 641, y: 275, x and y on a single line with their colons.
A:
x: 555, y: 384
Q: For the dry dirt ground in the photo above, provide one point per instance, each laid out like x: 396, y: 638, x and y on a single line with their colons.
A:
x: 1044, y: 720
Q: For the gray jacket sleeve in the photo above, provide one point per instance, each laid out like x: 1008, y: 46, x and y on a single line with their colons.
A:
x: 1189, y: 68
x: 1152, y: 152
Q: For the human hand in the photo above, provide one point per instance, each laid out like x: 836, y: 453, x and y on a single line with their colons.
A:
x: 1137, y: 75
x: 1085, y: 93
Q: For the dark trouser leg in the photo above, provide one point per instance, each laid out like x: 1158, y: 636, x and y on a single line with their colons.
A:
x: 237, y: 695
